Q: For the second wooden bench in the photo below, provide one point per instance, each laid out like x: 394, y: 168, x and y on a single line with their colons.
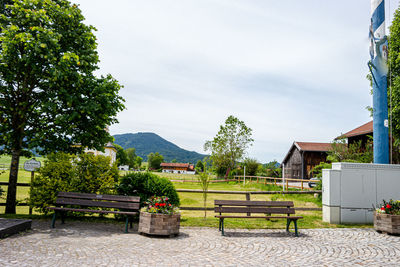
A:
x: 269, y: 209
x: 80, y: 202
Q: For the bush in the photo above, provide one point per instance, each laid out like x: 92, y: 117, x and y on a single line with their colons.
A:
x: 70, y: 173
x: 145, y: 185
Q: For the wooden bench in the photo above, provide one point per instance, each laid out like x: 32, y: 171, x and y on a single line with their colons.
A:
x: 270, y: 209
x: 129, y: 205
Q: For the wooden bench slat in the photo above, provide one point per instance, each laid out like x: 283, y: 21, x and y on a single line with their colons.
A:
x: 254, y: 203
x: 255, y: 210
x: 99, y: 197
x: 93, y: 203
x: 259, y: 217
x: 94, y: 211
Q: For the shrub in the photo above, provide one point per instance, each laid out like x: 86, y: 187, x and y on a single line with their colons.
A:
x: 145, y: 185
x: 70, y: 173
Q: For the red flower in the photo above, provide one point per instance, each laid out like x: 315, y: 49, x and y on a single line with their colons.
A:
x: 170, y: 205
x: 388, y: 206
x: 157, y: 204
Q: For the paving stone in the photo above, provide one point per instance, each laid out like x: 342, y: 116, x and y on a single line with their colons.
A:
x: 97, y: 244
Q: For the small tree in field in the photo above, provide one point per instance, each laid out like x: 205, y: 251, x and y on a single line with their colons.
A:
x: 49, y: 96
x: 154, y: 160
x: 204, y: 180
x: 230, y: 144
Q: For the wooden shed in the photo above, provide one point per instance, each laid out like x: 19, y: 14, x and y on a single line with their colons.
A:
x: 303, y: 157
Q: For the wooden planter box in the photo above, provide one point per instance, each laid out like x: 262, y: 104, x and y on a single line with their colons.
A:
x: 159, y: 224
x: 387, y: 223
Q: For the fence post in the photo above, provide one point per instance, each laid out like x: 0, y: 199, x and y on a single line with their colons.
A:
x: 287, y: 184
x: 257, y: 179
x: 248, y: 199
x: 302, y: 185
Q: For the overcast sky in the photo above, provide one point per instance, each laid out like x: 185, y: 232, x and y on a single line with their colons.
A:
x: 291, y: 70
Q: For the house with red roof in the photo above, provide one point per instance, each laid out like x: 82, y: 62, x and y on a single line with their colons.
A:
x: 177, y: 168
x: 361, y: 133
x: 303, y: 157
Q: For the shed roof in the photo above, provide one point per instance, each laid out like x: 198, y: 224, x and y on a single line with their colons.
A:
x: 308, y: 146
x: 366, y: 128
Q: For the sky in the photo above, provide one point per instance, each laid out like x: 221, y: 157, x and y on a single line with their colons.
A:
x: 291, y: 70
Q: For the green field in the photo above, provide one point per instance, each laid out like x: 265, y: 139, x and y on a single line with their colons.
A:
x: 312, y: 219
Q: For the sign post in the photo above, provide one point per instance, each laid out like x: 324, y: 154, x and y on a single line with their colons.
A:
x: 31, y: 166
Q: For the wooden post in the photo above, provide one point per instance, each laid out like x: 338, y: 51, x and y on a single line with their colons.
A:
x: 287, y: 184
x: 248, y: 199
x: 257, y: 179
x: 302, y: 185
x: 30, y: 193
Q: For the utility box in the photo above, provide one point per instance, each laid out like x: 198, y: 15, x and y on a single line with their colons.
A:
x: 350, y: 191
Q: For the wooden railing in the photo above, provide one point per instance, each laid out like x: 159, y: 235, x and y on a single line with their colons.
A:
x: 273, y: 180
x: 248, y: 196
x: 246, y: 193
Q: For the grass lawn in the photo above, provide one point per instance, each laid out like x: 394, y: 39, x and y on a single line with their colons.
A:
x: 312, y: 219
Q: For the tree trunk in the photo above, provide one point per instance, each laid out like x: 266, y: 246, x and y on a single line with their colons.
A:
x: 12, y: 183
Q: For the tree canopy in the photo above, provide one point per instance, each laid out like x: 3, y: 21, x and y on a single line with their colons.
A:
x: 394, y: 75
x: 154, y: 160
x: 49, y: 95
x: 230, y: 144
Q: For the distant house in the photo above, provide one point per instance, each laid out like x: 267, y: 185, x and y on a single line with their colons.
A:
x: 360, y: 133
x: 123, y: 167
x: 177, y: 168
x: 303, y: 157
x: 109, y: 151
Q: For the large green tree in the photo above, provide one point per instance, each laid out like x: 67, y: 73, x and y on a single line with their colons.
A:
x: 230, y: 143
x: 394, y: 75
x: 49, y: 95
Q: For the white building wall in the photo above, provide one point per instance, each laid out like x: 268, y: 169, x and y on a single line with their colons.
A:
x: 351, y: 190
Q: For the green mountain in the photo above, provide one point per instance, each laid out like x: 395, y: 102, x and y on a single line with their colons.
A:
x: 145, y: 143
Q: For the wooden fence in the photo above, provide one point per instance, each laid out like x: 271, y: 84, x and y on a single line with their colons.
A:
x: 275, y: 181
x: 246, y: 193
x: 248, y: 196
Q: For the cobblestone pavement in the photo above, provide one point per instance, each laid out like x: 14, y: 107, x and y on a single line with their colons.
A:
x: 97, y: 244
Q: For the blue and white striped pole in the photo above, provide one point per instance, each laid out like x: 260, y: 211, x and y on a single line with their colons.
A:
x: 379, y: 70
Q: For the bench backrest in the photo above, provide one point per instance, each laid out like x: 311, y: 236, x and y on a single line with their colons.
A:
x: 94, y: 200
x: 247, y: 206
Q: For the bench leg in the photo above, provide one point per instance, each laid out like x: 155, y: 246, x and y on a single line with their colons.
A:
x: 288, y: 224
x: 222, y: 227
x: 126, y: 224
x: 53, y: 221
x: 131, y: 223
x: 219, y: 225
x: 62, y: 217
x: 295, y: 228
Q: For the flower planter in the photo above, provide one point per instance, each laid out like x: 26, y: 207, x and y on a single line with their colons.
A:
x: 159, y: 224
x: 387, y: 223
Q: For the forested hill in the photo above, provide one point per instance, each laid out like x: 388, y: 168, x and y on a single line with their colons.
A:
x: 145, y: 143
